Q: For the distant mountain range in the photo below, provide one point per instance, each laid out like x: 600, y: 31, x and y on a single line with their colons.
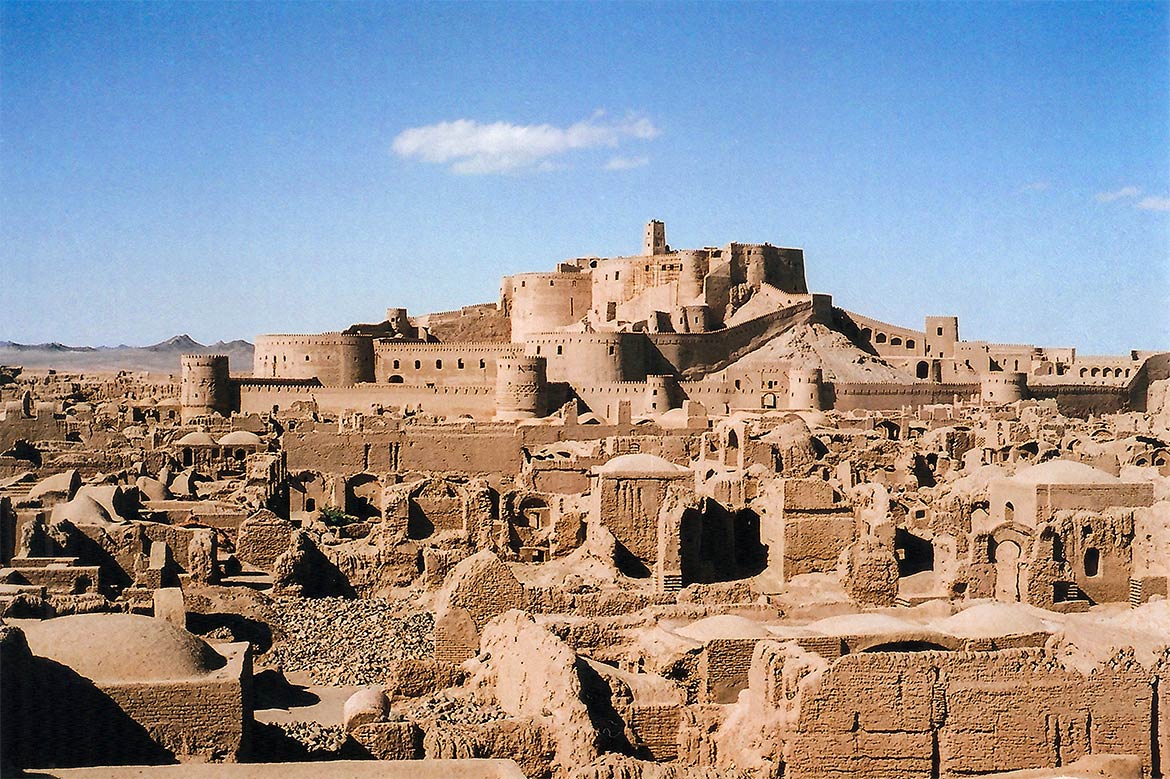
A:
x: 162, y: 357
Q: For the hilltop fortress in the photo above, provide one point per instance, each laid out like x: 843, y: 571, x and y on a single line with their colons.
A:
x: 731, y: 328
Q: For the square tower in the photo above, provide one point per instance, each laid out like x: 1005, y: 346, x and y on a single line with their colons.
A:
x: 654, y: 241
x: 942, y: 332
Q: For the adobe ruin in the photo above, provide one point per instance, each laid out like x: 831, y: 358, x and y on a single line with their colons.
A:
x: 662, y: 515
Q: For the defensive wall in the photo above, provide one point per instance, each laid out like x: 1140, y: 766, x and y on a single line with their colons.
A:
x: 439, y: 318
x: 692, y: 355
x: 466, y: 447
x: 883, y: 396
x: 397, y: 362
x: 478, y: 400
x: 336, y: 359
x: 889, y: 340
x: 588, y: 359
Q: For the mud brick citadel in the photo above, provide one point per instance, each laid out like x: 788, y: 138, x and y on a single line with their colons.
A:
x: 656, y: 329
x: 661, y: 516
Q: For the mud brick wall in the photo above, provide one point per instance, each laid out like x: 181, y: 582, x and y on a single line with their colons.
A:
x: 724, y: 665
x: 813, y: 542
x: 390, y: 740
x: 202, y: 719
x: 657, y: 728
x: 74, y: 579
x: 922, y: 714
x: 260, y: 543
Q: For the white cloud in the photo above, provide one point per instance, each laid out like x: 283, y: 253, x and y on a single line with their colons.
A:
x: 1124, y: 192
x: 627, y: 163
x: 1154, y: 204
x: 500, y: 147
x: 1036, y: 186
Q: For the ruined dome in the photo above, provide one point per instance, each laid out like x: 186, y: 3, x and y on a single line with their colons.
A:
x: 64, y: 483
x: 994, y: 619
x: 724, y: 626
x: 1063, y: 472
x: 240, y: 438
x: 82, y: 510
x: 641, y: 465
x: 861, y: 624
x: 196, y: 438
x: 122, y: 648
x: 152, y: 489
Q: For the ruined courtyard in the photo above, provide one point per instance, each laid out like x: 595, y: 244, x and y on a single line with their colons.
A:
x: 667, y: 515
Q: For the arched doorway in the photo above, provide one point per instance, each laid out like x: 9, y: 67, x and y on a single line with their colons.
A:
x: 1007, y: 571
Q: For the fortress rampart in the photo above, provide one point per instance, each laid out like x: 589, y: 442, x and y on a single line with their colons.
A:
x: 335, y: 359
x: 600, y: 328
x: 398, y: 362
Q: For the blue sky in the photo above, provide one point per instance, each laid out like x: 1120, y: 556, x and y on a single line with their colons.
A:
x: 228, y: 170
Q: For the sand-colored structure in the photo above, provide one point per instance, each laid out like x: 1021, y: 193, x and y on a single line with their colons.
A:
x: 668, y: 514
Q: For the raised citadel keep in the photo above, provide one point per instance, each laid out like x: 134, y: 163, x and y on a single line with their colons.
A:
x: 657, y: 329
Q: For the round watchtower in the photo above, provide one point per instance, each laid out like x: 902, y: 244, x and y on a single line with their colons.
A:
x: 694, y: 265
x: 804, y: 389
x: 660, y: 394
x: 998, y: 389
x: 521, y: 387
x: 205, y: 388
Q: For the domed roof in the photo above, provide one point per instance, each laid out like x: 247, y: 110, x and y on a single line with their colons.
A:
x: 82, y: 510
x: 196, y: 438
x: 240, y: 438
x: 122, y: 647
x: 724, y: 626
x: 993, y: 619
x: 1063, y: 472
x: 642, y: 465
x: 860, y: 624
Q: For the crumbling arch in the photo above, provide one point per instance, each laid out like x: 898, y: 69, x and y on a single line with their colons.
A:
x: 910, y: 641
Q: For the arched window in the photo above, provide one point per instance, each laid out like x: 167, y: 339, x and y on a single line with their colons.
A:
x: 881, y: 338
x: 438, y: 365
x: 922, y: 371
x: 1009, y: 512
x: 418, y: 365
x: 909, y: 343
x: 396, y: 365
x: 895, y: 341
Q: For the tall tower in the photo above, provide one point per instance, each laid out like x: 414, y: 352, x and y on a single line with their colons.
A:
x: 942, y: 332
x: 654, y: 241
x: 205, y: 386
